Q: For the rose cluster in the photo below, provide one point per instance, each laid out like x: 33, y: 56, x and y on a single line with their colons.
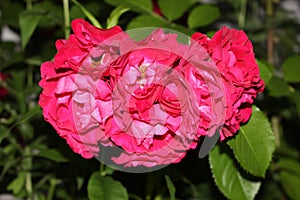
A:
x: 146, y: 102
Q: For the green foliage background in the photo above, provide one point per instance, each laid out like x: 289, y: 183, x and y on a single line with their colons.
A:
x: 261, y: 162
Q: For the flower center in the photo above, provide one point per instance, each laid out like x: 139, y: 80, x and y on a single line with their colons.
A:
x: 142, y: 80
x: 96, y: 61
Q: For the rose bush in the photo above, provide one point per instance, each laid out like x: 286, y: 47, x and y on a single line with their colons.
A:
x: 151, y: 99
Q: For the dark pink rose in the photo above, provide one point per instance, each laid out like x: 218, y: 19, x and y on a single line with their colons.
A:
x: 151, y: 114
x: 233, y: 54
x: 59, y: 82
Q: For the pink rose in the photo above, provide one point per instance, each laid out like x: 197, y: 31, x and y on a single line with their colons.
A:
x: 59, y: 81
x: 233, y: 54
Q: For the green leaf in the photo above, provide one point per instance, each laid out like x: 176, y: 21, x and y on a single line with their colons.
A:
x: 61, y: 193
x: 291, y: 69
x: 4, y: 133
x: 290, y: 183
x: 26, y: 129
x: 75, y: 12
x: 114, y: 16
x: 28, y: 22
x: 52, y: 14
x: 136, y: 28
x: 295, y: 96
x: 210, y: 34
x: 171, y: 187
x: 9, y: 163
x: 103, y: 187
x: 93, y: 7
x: 88, y: 14
x: 18, y: 82
x: 234, y: 3
x: 227, y: 177
x: 289, y: 165
x: 8, y: 56
x: 203, y: 15
x: 9, y: 17
x: 174, y: 9
x: 143, y: 21
x: 141, y: 6
x: 265, y: 73
x: 108, y: 171
x: 254, y: 144
x: 34, y: 61
x: 79, y: 181
x: 17, y: 184
x: 52, y: 154
x: 203, y: 191
x: 278, y: 88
